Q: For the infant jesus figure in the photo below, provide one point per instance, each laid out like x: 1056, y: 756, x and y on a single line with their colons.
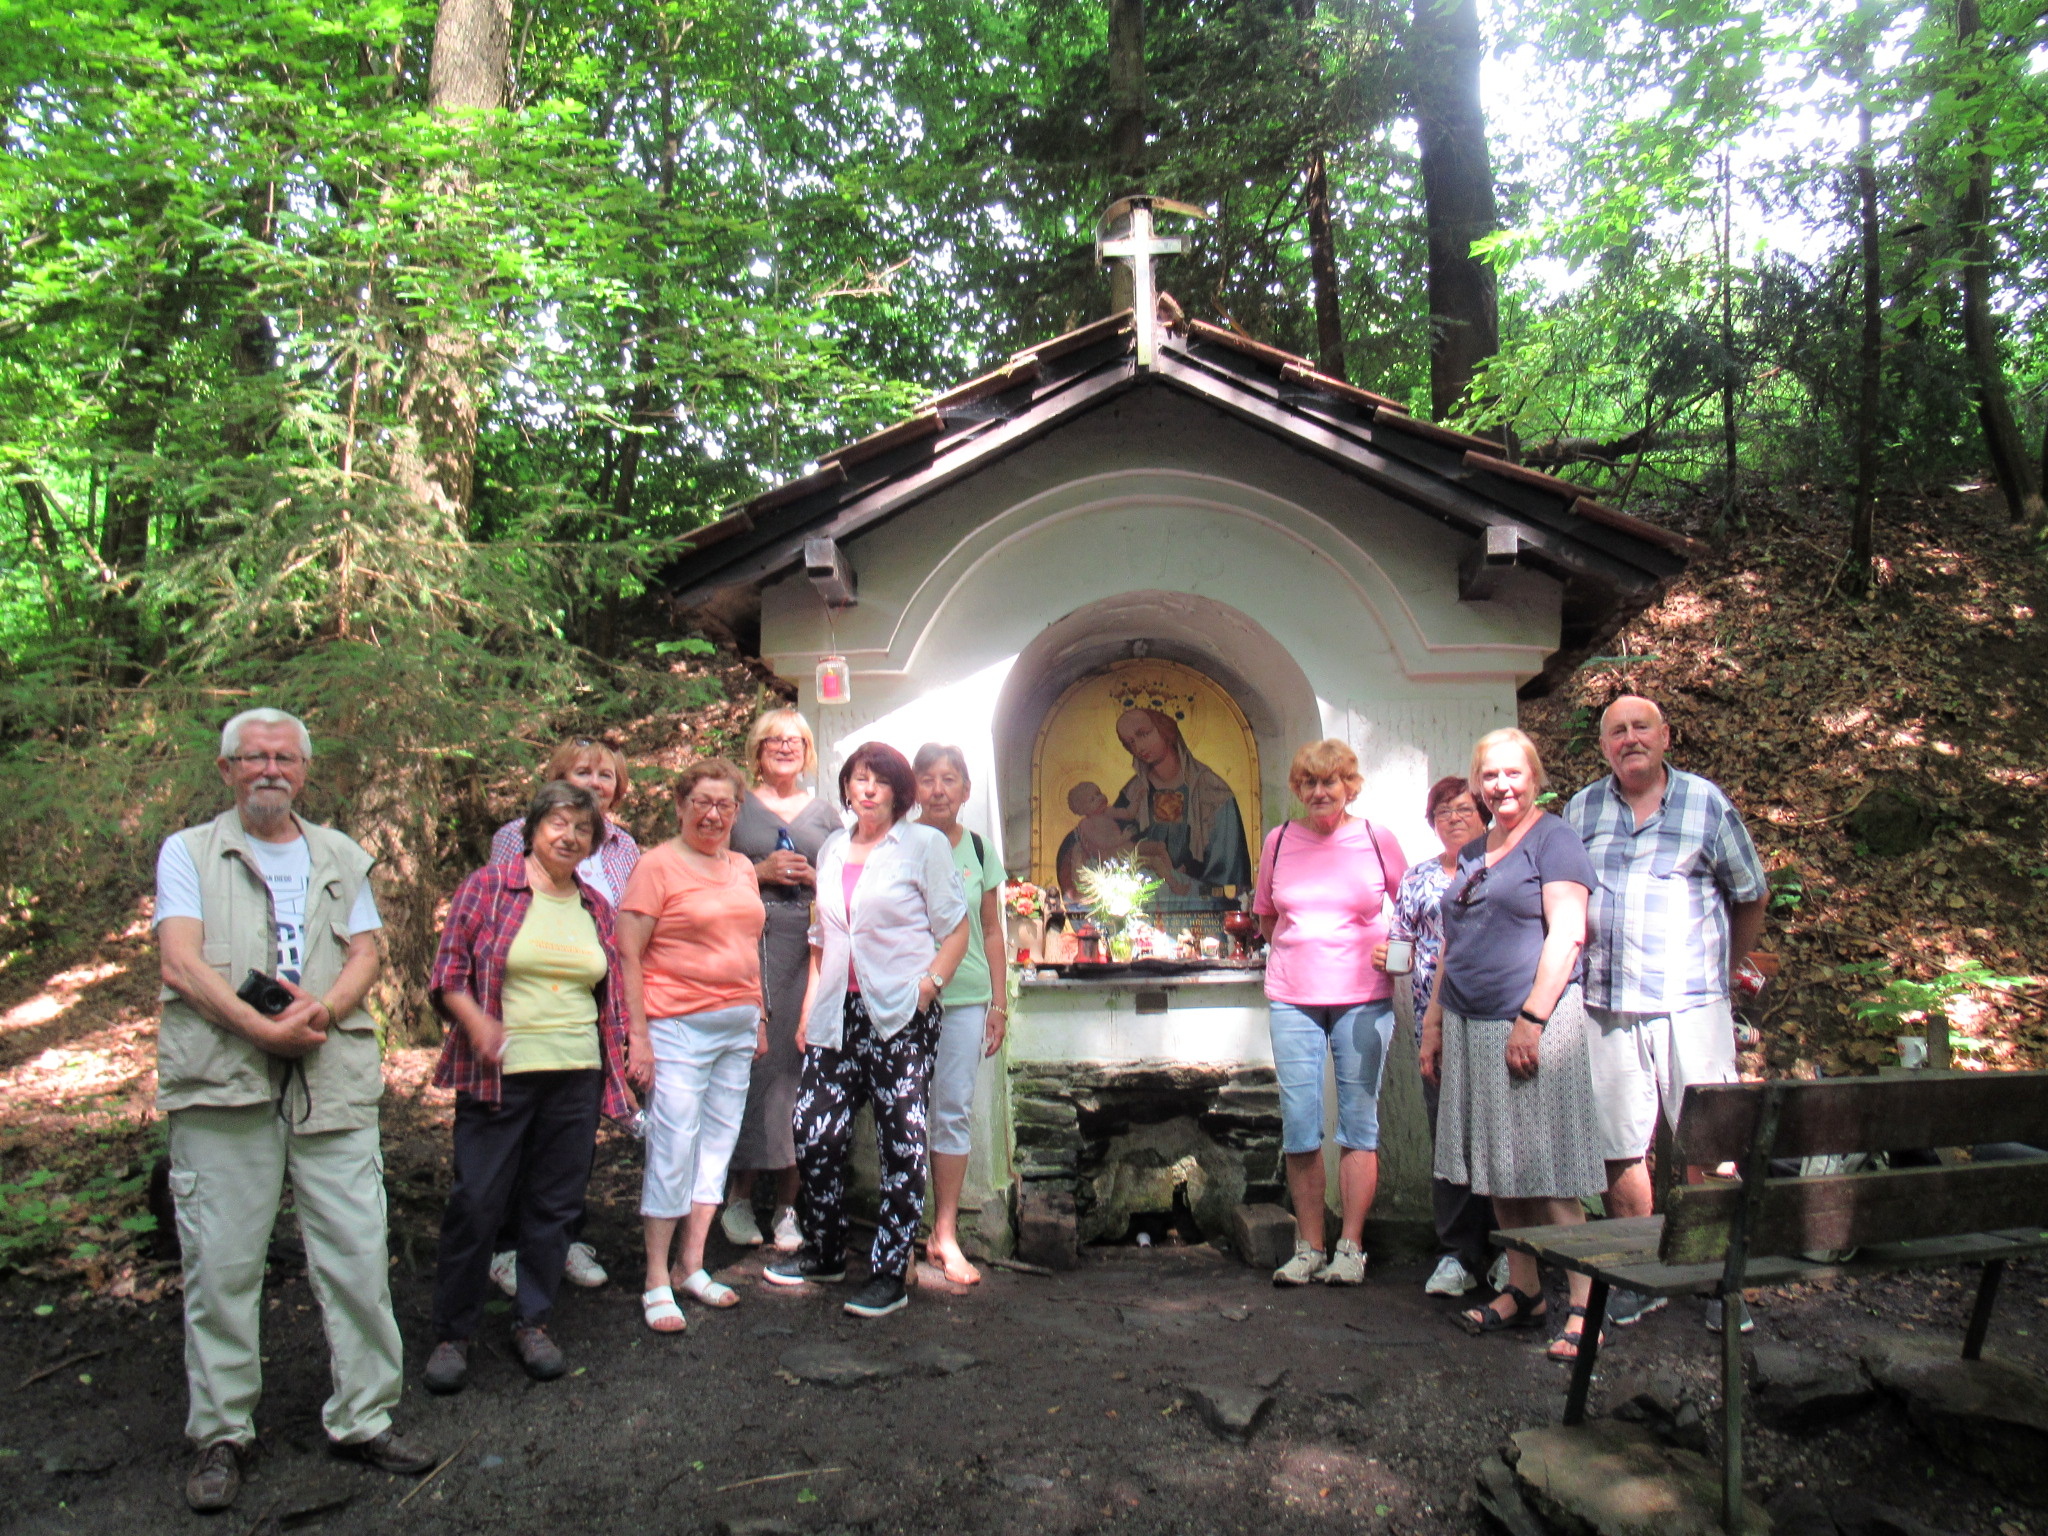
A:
x: 1100, y: 833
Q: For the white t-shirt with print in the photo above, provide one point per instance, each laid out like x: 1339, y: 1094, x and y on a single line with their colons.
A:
x: 287, y: 868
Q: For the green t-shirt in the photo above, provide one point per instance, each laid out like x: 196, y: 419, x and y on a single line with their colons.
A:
x: 971, y: 982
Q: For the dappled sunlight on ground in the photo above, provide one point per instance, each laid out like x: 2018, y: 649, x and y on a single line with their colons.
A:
x: 60, y: 993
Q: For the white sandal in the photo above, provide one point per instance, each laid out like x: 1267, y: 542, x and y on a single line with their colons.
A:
x: 659, y: 1308
x: 701, y: 1287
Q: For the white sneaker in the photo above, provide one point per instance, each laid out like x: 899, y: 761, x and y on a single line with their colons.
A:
x: 1306, y: 1264
x: 738, y: 1224
x: 1449, y: 1278
x: 1346, y: 1266
x: 582, y: 1268
x: 1497, y: 1277
x: 788, y: 1235
x: 505, y: 1272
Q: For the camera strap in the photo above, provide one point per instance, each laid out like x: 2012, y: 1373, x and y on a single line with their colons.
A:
x: 294, y: 1067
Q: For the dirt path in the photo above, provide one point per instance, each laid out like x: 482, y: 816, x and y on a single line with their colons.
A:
x: 1076, y: 1414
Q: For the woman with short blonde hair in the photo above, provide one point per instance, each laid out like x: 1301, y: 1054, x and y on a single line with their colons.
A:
x: 1504, y: 1036
x: 1323, y: 886
x: 776, y: 723
x: 782, y: 827
x: 1507, y: 735
x: 1321, y: 759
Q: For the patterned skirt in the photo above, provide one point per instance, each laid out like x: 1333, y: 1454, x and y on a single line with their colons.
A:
x: 1512, y: 1138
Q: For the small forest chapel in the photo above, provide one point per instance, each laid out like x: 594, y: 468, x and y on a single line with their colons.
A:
x: 1129, y: 572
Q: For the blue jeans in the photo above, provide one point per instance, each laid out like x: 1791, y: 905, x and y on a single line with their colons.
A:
x: 1358, y: 1035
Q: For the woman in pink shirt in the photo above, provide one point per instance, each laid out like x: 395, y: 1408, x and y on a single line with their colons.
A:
x: 1324, y: 883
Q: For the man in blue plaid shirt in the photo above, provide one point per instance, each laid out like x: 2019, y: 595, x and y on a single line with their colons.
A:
x: 1680, y: 902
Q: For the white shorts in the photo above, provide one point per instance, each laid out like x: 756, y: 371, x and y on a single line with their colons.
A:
x: 1642, y: 1058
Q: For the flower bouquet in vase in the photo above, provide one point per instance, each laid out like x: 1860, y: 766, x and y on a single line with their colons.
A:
x: 1116, y: 891
x: 1024, y: 910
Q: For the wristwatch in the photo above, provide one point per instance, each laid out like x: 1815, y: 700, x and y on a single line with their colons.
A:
x: 938, y: 982
x: 1526, y: 1014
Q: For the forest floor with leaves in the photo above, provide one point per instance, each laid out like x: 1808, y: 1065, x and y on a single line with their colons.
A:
x: 1802, y: 704
x: 1890, y: 756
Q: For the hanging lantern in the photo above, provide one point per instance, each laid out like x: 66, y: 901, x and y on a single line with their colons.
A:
x: 835, y: 680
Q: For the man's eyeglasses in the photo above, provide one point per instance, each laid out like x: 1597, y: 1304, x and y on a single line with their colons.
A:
x: 1464, y: 897
x: 260, y: 759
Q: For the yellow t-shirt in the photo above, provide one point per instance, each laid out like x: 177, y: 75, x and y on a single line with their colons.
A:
x: 549, y: 1009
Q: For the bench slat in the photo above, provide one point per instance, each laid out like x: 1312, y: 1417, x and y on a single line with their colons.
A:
x: 1629, y: 1257
x: 1853, y: 1210
x: 1867, y: 1115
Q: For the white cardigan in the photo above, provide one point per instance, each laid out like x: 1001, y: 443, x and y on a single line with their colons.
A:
x: 907, y: 899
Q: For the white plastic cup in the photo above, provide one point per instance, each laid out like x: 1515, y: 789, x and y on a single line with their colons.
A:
x: 1400, y: 957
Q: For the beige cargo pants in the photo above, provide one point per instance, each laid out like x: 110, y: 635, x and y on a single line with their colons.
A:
x: 228, y: 1172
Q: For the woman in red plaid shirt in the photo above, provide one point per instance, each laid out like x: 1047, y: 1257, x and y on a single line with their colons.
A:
x: 528, y: 973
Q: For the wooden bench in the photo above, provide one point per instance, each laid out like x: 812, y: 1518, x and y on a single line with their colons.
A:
x: 1715, y: 1238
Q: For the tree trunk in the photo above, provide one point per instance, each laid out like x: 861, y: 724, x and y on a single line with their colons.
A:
x: 1731, y: 460
x: 1126, y: 123
x: 1870, y: 358
x: 468, y: 72
x: 1457, y: 195
x: 1322, y: 233
x: 2010, y: 465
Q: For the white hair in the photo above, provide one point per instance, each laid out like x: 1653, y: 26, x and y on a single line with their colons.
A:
x: 231, y: 733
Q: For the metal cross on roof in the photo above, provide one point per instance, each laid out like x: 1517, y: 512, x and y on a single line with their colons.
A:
x: 1137, y: 245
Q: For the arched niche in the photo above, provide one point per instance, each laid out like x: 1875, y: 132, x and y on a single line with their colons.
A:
x: 1223, y: 643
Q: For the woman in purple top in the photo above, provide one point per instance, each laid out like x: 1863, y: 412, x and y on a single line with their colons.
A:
x: 1321, y: 896
x: 1505, y: 1034
x: 1463, y: 1220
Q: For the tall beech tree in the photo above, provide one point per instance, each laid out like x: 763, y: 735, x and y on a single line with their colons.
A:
x: 1459, y: 206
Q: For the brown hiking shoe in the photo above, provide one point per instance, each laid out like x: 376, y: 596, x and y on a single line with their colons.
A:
x: 541, y: 1355
x: 215, y: 1479
x: 387, y: 1452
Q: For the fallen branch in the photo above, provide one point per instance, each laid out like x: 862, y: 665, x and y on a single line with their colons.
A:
x: 51, y: 1370
x: 1020, y: 1266
x: 440, y: 1469
x: 779, y: 1477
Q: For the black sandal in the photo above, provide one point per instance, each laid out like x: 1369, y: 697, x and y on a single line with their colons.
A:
x: 1527, y: 1314
x: 1564, y: 1349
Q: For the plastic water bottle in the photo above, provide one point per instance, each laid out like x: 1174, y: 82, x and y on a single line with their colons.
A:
x: 784, y: 843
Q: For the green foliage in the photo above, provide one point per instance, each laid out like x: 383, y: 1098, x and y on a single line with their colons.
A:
x: 45, y: 1213
x: 1902, y: 1000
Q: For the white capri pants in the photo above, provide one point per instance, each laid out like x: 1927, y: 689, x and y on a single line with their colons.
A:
x: 955, y: 1066
x: 701, y: 1065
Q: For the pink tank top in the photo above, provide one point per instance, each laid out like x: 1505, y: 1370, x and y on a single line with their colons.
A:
x: 850, y: 874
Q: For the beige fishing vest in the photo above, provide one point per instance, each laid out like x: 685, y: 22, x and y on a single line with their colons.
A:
x: 337, y: 1085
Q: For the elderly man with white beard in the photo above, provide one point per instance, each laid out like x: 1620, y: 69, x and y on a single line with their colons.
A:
x: 268, y: 1069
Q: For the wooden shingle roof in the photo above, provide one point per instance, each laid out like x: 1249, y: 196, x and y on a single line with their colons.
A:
x: 1611, y: 564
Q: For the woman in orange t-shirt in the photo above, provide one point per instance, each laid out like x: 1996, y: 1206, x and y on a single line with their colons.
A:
x: 690, y: 949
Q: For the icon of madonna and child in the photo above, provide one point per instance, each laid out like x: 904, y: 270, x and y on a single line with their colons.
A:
x: 1175, y: 815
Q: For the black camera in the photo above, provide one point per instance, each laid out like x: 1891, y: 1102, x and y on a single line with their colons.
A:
x: 264, y: 994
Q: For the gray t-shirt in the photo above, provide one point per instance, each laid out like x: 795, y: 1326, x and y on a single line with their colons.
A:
x: 1494, y: 937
